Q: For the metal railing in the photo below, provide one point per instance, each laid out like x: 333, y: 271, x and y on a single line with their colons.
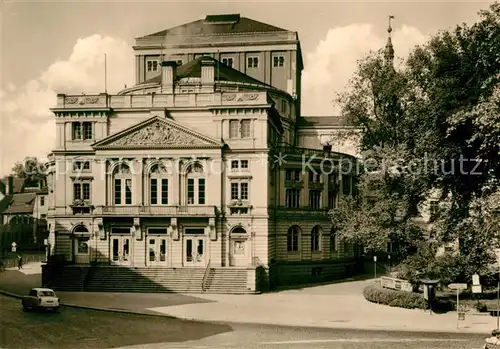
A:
x: 204, y: 282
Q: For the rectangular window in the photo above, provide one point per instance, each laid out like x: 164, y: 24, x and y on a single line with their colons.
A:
x: 164, y: 191
x: 118, y: 191
x: 332, y: 199
x: 81, y: 166
x: 77, y: 191
x: 244, y: 191
x: 152, y: 65
x: 201, y: 191
x: 292, y: 198
x: 81, y: 191
x: 128, y: 192
x: 154, y: 191
x: 314, y: 177
x: 228, y: 61
x: 76, y: 130
x: 244, y: 163
x: 87, y: 130
x: 278, y: 61
x: 293, y: 175
x: 252, y: 62
x: 245, y: 128
x: 86, y: 191
x: 234, y: 164
x: 234, y: 191
x: 234, y: 129
x: 42, y: 201
x: 314, y: 199
x: 190, y: 192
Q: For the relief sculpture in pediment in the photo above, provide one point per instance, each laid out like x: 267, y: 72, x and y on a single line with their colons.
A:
x: 158, y: 134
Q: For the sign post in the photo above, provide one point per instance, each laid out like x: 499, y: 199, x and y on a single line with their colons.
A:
x: 498, y: 290
x: 458, y: 288
x: 14, y: 247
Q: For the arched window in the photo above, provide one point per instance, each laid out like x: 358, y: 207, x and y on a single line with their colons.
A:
x: 81, y: 229
x: 195, y: 185
x: 238, y: 231
x: 292, y: 239
x: 122, y: 185
x: 158, y: 186
x: 333, y: 240
x: 347, y: 249
x: 316, y: 239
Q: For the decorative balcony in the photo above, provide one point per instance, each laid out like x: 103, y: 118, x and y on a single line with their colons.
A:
x: 170, y: 211
x: 301, y: 211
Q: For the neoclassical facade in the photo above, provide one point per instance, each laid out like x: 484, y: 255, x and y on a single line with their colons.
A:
x: 203, y: 162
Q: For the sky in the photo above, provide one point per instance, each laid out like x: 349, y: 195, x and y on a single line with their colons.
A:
x: 58, y: 47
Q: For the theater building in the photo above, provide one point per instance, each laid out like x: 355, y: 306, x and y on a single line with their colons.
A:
x: 203, y: 175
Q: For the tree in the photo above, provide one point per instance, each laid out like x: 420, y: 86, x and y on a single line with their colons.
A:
x: 434, y: 126
x: 31, y: 169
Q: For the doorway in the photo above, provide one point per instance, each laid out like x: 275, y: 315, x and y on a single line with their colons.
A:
x: 157, y: 251
x: 120, y: 250
x: 194, y: 249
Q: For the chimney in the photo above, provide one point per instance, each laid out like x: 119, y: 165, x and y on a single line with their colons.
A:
x: 168, y: 73
x: 10, y: 190
x: 207, y: 75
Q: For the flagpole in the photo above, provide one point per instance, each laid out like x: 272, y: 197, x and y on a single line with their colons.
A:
x: 105, y: 74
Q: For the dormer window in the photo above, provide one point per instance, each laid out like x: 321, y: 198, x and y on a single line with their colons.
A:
x: 252, y: 62
x: 278, y: 61
x: 152, y: 65
x: 228, y: 61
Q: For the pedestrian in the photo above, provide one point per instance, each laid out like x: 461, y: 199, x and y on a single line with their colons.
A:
x: 19, y: 261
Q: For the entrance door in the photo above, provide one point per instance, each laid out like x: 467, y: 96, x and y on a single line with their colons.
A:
x: 120, y: 250
x: 82, y: 250
x: 157, y: 251
x: 194, y: 251
x: 239, y: 255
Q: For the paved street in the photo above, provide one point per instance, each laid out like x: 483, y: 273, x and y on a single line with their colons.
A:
x: 80, y: 328
x: 275, y: 337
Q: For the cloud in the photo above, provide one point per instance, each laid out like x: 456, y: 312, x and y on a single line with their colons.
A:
x: 332, y: 63
x: 28, y: 126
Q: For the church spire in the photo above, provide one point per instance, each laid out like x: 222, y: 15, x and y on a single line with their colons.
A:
x: 389, y: 49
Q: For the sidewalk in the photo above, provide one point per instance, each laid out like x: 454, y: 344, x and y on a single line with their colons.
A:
x: 340, y: 305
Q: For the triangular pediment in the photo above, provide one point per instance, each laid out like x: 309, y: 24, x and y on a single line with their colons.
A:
x: 158, y: 133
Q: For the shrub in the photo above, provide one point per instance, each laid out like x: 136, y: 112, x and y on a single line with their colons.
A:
x: 394, y: 298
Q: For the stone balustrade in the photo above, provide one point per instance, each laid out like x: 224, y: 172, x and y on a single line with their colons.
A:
x: 104, y: 101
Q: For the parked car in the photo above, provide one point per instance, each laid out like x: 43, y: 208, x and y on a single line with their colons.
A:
x: 40, y: 298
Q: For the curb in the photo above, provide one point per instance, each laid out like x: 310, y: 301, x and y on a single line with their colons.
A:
x: 111, y: 310
x: 367, y: 328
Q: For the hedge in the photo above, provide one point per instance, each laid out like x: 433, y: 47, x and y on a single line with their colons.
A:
x: 408, y: 300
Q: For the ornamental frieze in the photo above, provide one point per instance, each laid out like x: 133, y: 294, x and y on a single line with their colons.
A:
x: 241, y: 98
x: 82, y: 100
x: 158, y: 134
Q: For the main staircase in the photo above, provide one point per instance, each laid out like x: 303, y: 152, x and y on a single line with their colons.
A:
x: 69, y: 278
x: 151, y: 280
